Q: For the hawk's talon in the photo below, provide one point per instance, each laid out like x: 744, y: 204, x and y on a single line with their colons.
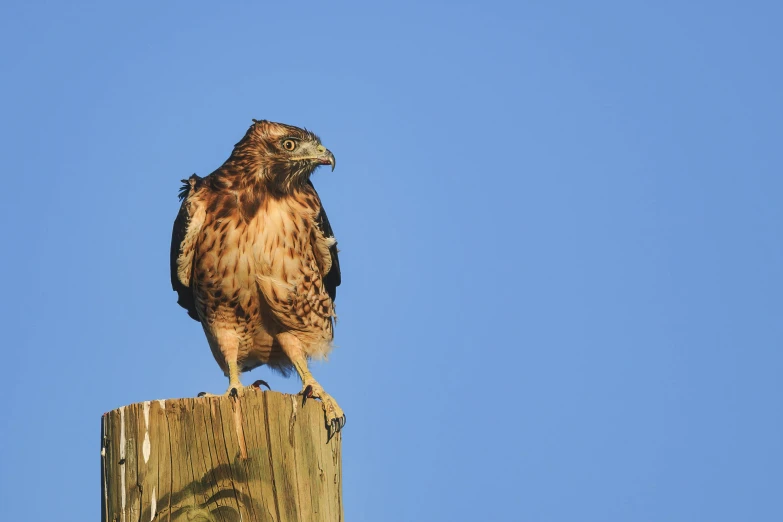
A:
x: 258, y: 384
x: 334, y: 418
x: 307, y: 392
x: 235, y: 392
x: 334, y: 427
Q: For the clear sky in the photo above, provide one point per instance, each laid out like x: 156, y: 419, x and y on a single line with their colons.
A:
x: 560, y: 226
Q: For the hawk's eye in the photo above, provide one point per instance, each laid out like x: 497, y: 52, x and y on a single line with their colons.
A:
x: 289, y: 144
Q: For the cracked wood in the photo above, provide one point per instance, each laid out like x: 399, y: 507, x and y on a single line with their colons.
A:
x: 260, y: 457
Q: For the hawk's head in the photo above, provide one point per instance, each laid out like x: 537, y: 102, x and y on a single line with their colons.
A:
x: 282, y: 155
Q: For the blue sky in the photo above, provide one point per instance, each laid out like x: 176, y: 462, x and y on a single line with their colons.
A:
x: 560, y: 235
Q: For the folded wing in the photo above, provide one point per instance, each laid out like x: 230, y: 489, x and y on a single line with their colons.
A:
x: 187, y: 226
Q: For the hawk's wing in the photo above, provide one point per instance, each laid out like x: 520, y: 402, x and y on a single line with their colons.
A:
x: 183, y: 243
x: 332, y: 278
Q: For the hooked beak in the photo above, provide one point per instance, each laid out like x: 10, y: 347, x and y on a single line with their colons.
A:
x: 325, y: 157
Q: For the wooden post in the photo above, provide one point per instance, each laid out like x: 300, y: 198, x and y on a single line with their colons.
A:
x: 256, y: 458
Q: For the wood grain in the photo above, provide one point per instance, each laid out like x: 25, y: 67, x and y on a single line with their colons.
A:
x: 260, y: 457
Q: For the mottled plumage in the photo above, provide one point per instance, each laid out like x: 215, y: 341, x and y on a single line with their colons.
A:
x: 254, y: 259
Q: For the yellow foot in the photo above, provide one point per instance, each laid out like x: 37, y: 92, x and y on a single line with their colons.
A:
x: 335, y: 418
x: 238, y: 390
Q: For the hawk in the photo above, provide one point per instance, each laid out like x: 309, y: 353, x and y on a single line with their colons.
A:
x: 254, y: 259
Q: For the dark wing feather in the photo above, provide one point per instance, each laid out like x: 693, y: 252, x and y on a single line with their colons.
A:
x: 332, y: 279
x: 185, y: 293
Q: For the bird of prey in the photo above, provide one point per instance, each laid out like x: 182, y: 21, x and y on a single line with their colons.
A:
x: 254, y: 259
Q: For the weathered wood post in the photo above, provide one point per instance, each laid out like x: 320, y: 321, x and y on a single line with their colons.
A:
x: 255, y: 458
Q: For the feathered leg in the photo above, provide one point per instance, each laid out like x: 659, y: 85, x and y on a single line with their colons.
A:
x: 335, y: 418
